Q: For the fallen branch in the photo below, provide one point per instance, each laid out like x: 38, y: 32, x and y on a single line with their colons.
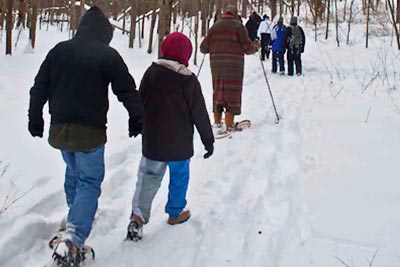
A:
x: 343, y: 262
x: 373, y: 259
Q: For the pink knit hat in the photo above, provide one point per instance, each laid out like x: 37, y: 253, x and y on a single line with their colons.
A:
x: 176, y: 46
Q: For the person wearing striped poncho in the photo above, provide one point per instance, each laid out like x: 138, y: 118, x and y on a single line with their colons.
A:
x: 227, y: 42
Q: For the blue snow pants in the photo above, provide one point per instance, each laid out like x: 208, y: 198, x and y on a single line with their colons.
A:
x: 150, y: 175
x: 83, y: 178
x: 278, y: 57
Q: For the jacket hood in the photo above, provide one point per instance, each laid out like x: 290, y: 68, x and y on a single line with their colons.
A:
x: 94, y: 24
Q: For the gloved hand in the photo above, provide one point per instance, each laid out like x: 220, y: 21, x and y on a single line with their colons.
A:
x: 135, y: 126
x: 36, y: 127
x: 210, y: 151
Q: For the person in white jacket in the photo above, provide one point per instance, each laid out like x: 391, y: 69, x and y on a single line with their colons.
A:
x: 264, y: 33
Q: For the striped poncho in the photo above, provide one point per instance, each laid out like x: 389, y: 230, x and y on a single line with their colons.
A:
x: 227, y: 42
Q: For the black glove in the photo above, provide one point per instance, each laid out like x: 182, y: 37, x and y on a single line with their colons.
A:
x: 36, y: 127
x: 135, y: 126
x: 210, y: 151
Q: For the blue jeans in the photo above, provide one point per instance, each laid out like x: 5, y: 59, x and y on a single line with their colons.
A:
x: 150, y: 175
x: 83, y: 178
x: 278, y: 56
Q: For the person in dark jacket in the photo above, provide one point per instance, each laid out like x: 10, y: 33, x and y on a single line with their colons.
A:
x: 173, y: 104
x: 278, y: 47
x: 252, y: 25
x: 74, y: 79
x: 295, y: 41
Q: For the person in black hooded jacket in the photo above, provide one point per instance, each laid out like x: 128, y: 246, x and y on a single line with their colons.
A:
x: 74, y: 79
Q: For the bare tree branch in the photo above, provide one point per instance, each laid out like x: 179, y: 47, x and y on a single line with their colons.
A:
x: 343, y: 262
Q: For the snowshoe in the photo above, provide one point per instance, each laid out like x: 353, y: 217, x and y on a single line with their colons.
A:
x: 135, y: 229
x: 237, y: 127
x: 217, y: 125
x: 55, y: 241
x: 67, y: 254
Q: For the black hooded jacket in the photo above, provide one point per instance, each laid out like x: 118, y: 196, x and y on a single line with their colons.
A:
x: 75, y: 75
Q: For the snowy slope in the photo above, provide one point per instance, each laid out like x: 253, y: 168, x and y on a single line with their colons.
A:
x: 319, y: 188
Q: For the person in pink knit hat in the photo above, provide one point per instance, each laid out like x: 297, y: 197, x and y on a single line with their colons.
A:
x: 173, y: 105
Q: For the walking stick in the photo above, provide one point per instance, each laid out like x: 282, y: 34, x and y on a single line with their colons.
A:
x: 270, y: 92
x: 201, y: 65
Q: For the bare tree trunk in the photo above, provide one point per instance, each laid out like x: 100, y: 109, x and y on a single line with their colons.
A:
x: 328, y: 16
x: 174, y: 16
x: 315, y: 31
x: 337, y: 24
x: 316, y: 9
x: 292, y: 4
x: 196, y: 30
x: 392, y: 12
x: 153, y: 23
x: 204, y: 16
x: 2, y: 15
x: 139, y: 24
x: 260, y: 6
x: 398, y: 12
x: 143, y: 12
x: 32, y: 29
x: 164, y: 20
x: 364, y: 6
x: 349, y: 22
x: 273, y: 6
x: 21, y: 14
x: 367, y: 30
x: 133, y: 13
x: 344, y: 10
x: 123, y: 3
x: 298, y: 7
x: 219, y: 6
x: 82, y: 11
x: 73, y: 17
x: 244, y: 8
x: 9, y: 26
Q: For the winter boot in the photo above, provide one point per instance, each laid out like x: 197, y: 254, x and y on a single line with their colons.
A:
x: 183, y: 217
x: 217, y: 118
x: 229, y: 117
x: 135, y: 229
x: 66, y: 254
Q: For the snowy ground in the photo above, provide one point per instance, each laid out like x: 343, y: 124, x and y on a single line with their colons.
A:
x: 317, y: 190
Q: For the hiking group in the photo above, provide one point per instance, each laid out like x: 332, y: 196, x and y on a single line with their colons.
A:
x: 74, y: 80
x: 280, y: 39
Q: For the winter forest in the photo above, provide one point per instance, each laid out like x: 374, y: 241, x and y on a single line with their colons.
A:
x: 298, y: 170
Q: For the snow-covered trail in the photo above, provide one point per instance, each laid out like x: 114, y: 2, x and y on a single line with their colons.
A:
x: 246, y: 200
x: 277, y: 195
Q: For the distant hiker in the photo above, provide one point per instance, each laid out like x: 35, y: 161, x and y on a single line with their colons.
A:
x: 227, y: 42
x: 252, y: 25
x: 74, y: 79
x: 173, y: 105
x: 264, y: 33
x: 278, y: 47
x: 295, y: 41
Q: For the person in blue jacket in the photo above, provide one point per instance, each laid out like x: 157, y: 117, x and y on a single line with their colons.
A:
x: 278, y: 47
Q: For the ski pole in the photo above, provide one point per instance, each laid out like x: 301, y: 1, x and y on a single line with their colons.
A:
x: 270, y: 92
x: 201, y: 65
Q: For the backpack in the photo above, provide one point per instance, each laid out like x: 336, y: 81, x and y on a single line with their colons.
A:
x: 295, y: 39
